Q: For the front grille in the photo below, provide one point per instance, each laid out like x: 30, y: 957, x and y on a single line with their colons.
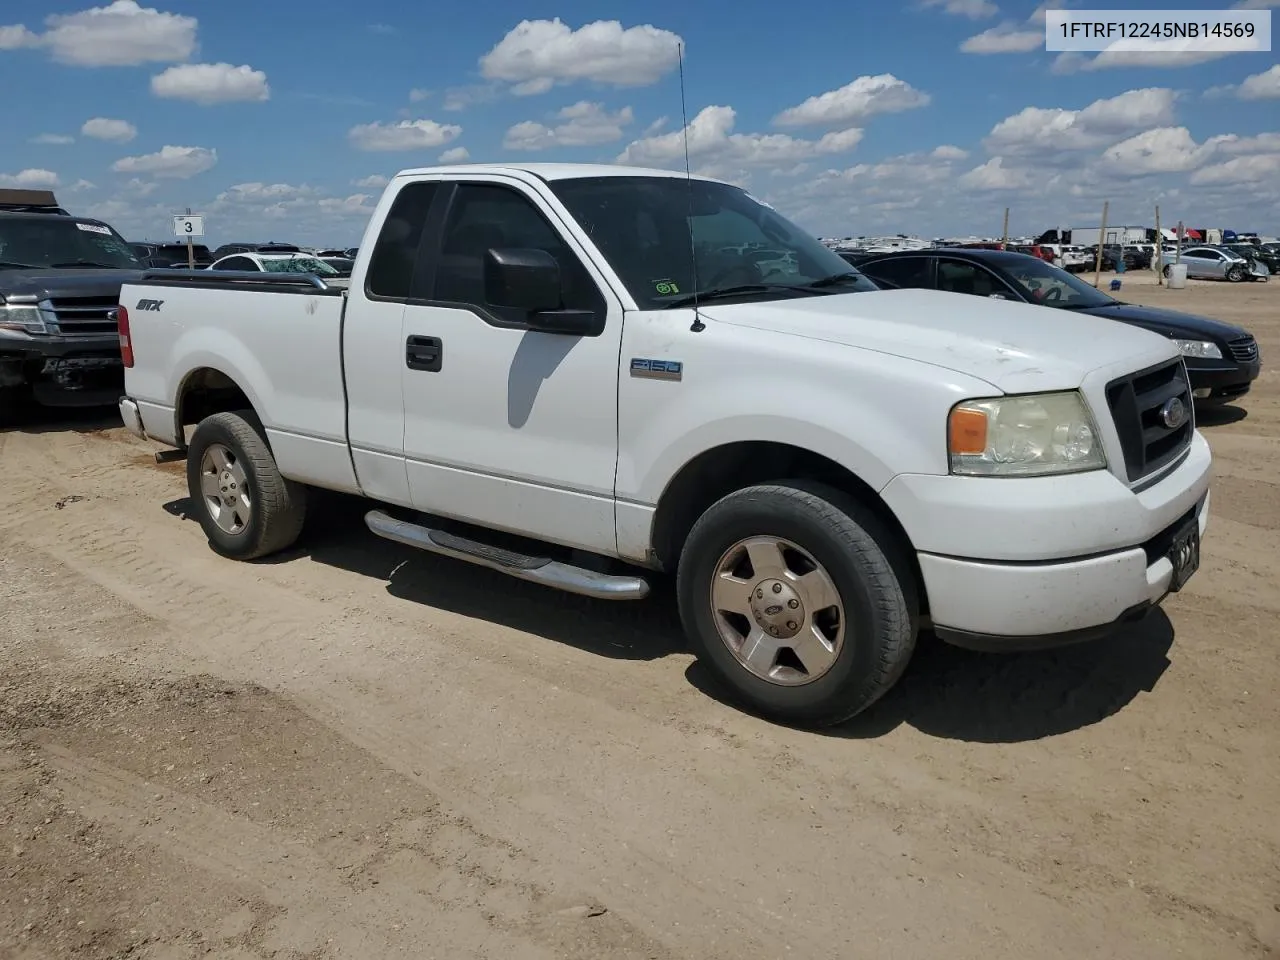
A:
x: 1244, y: 350
x: 83, y: 315
x: 1138, y: 403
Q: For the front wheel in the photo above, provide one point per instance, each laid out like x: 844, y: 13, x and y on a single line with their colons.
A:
x: 246, y: 508
x: 797, y: 602
x: 1237, y: 273
x: 1168, y: 270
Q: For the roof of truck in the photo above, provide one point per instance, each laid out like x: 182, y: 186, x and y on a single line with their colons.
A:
x: 552, y: 171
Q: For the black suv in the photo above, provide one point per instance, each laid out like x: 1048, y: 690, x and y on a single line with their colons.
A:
x: 171, y: 254
x: 60, y: 280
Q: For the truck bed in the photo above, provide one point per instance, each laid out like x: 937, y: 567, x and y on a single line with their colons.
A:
x: 278, y: 338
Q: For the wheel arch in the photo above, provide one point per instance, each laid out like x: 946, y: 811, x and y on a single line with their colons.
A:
x: 206, y: 390
x: 720, y: 470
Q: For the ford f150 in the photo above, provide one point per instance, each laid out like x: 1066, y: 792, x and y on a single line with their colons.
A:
x: 585, y: 376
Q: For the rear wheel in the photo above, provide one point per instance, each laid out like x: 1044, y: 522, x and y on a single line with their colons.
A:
x: 795, y: 600
x: 246, y: 508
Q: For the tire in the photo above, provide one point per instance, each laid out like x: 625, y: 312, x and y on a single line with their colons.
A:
x: 1168, y: 270
x: 271, y: 509
x: 1237, y: 273
x: 864, y: 655
x: 15, y: 405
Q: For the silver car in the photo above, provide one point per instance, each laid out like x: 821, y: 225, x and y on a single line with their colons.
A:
x: 1207, y: 262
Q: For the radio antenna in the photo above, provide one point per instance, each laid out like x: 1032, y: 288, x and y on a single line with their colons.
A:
x: 697, y: 326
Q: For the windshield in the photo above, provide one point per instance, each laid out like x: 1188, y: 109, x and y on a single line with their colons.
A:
x: 298, y: 265
x: 643, y: 227
x: 54, y: 241
x: 1046, y: 284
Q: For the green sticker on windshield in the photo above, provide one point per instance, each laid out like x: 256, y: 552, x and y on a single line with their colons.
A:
x: 665, y: 288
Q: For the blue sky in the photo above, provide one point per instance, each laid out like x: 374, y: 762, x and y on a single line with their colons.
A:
x: 921, y: 116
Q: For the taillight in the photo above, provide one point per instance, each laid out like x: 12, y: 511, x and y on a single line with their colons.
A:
x: 126, y: 345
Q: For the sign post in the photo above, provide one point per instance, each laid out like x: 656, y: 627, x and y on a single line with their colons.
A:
x: 188, y: 227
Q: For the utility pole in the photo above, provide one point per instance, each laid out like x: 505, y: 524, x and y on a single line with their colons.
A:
x: 191, y: 250
x: 1004, y: 235
x: 1158, y: 262
x: 1102, y: 232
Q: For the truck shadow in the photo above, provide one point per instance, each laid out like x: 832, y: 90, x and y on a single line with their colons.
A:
x: 956, y: 694
x: 1220, y: 416
x: 947, y: 692
x: 34, y: 419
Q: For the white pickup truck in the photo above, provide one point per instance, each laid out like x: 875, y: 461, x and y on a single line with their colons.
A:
x: 586, y: 376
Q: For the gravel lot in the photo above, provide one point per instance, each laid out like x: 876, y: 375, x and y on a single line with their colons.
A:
x: 362, y: 752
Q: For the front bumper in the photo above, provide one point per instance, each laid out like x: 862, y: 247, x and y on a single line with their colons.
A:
x: 1066, y: 559
x: 1220, y: 381
x: 66, y: 371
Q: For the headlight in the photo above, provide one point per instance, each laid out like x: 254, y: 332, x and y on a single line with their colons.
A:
x: 1204, y: 349
x: 1022, y: 436
x: 23, y: 319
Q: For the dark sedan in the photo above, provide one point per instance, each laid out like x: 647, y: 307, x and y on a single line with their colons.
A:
x: 1222, y: 359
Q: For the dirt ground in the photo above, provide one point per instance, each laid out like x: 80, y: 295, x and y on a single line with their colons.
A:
x: 357, y: 751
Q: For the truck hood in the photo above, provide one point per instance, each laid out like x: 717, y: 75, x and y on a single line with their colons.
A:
x: 1014, y: 346
x: 47, y: 284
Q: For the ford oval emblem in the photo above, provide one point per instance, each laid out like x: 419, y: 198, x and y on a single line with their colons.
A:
x: 1174, y: 413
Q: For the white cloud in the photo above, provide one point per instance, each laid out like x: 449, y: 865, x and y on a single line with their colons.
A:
x: 948, y: 152
x: 455, y: 155
x: 855, y: 101
x: 1234, y: 144
x: 1261, y: 86
x: 104, y: 128
x: 405, y: 135
x: 417, y: 95
x: 53, y: 139
x: 580, y: 125
x: 121, y: 34
x: 374, y: 181
x: 139, y: 188
x: 711, y: 138
x: 16, y: 37
x: 994, y: 175
x: 1160, y: 150
x: 1258, y: 168
x: 31, y: 179
x: 973, y: 9
x: 256, y: 193
x: 210, y: 83
x: 170, y: 163
x: 656, y: 127
x: 1005, y: 38
x: 459, y: 98
x: 80, y: 186
x: 358, y: 206
x: 1051, y: 131
x: 537, y: 54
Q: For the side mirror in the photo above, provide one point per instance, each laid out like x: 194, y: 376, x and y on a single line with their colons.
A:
x: 522, y: 279
x: 528, y: 280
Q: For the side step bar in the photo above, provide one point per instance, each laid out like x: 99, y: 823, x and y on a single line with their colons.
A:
x: 543, y: 570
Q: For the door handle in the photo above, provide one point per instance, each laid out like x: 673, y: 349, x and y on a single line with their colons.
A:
x: 423, y: 353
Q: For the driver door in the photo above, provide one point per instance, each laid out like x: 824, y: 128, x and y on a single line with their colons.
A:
x: 505, y: 425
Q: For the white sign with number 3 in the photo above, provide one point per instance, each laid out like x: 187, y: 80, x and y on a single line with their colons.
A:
x: 188, y: 226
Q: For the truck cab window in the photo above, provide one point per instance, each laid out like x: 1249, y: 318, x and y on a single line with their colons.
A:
x: 391, y: 268
x: 484, y: 216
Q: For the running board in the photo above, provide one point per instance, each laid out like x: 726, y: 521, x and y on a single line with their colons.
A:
x: 543, y: 570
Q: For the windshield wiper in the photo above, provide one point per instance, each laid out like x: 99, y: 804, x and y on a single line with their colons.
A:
x: 719, y: 293
x: 11, y: 265
x: 835, y: 278
x: 85, y: 263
